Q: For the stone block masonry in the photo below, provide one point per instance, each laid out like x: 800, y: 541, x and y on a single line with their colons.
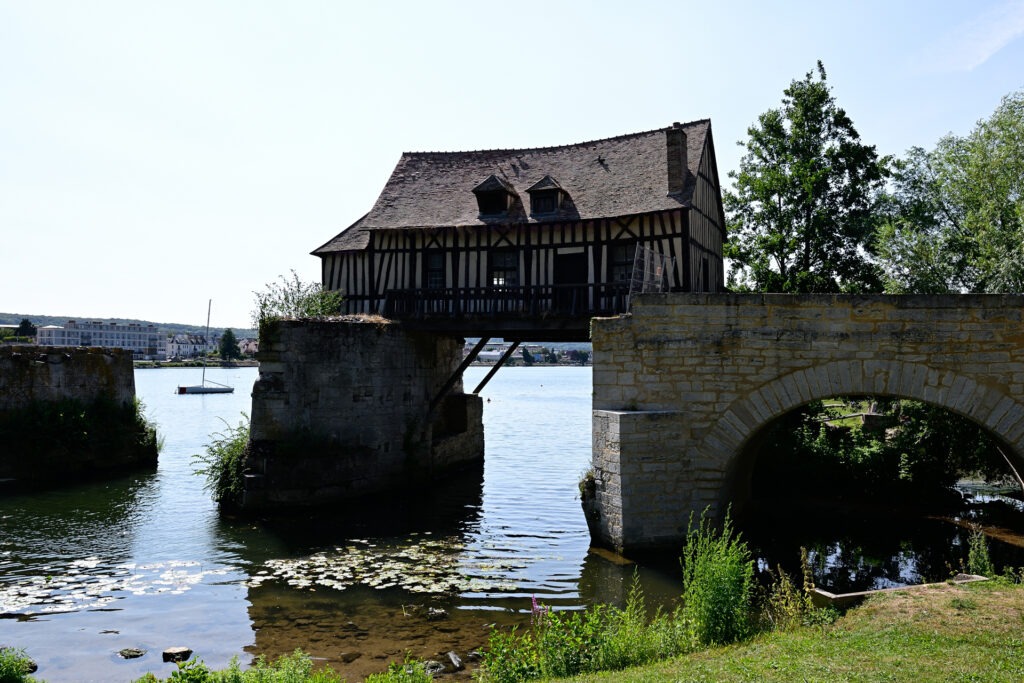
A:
x: 343, y: 409
x: 31, y: 374
x: 683, y: 383
x: 68, y: 413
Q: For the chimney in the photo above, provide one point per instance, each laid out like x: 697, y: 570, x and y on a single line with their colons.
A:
x: 675, y: 138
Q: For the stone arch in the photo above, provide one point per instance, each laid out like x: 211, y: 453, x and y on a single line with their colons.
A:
x: 986, y: 402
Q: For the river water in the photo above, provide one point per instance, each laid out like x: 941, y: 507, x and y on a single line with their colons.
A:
x: 146, y: 562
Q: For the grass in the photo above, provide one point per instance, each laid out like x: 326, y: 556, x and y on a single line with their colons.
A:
x: 963, y: 633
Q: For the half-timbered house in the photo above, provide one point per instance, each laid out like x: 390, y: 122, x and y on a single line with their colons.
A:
x: 510, y: 238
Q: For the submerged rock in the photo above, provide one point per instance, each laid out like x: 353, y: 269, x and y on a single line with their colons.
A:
x: 131, y: 653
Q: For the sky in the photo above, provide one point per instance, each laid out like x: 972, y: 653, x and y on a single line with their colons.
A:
x: 155, y: 155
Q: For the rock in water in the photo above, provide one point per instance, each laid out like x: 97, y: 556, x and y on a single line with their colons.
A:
x: 177, y: 654
x: 433, y: 667
x: 454, y: 662
x: 131, y: 653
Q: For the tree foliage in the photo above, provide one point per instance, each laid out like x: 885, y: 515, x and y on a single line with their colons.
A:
x: 802, y: 213
x: 956, y: 214
x: 25, y: 329
x: 229, y: 346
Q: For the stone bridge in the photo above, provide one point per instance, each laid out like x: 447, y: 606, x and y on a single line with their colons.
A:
x: 684, y: 383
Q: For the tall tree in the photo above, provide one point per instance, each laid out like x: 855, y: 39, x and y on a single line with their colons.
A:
x: 956, y: 215
x: 801, y: 216
x: 229, y: 346
x: 25, y: 329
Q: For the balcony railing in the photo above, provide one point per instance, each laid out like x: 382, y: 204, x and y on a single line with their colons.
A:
x: 538, y: 301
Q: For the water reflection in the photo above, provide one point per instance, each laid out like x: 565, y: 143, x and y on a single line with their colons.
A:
x: 70, y: 549
x: 854, y: 547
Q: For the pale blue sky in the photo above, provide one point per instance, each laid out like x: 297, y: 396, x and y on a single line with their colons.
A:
x: 154, y: 155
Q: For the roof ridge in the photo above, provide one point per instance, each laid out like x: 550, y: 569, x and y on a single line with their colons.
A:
x: 509, y: 150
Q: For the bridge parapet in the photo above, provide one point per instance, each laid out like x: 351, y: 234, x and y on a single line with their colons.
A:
x: 683, y: 383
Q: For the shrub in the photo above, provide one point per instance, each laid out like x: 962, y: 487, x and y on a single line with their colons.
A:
x: 223, y: 464
x: 293, y: 298
x: 602, y: 638
x: 14, y: 666
x: 294, y: 668
x: 718, y: 576
x: 978, y: 560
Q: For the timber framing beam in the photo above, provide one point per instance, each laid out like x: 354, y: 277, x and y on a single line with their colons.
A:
x: 457, y: 375
x: 504, y: 357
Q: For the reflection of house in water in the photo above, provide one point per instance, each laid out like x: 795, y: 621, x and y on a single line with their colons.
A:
x: 545, y: 234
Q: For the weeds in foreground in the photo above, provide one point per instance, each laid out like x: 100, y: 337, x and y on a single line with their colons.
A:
x: 294, y: 668
x: 602, y: 638
x: 785, y: 607
x: 718, y: 580
x: 410, y: 671
x: 224, y: 461
x: 978, y: 560
x: 14, y: 666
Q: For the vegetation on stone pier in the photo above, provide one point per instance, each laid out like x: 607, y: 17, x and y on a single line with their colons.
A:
x: 293, y: 298
x: 223, y: 464
x: 53, y: 437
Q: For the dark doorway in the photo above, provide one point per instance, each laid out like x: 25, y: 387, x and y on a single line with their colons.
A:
x: 571, y: 283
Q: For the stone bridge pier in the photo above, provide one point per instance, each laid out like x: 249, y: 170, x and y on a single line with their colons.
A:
x: 685, y: 382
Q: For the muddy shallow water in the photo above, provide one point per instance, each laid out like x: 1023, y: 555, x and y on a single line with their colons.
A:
x: 146, y: 562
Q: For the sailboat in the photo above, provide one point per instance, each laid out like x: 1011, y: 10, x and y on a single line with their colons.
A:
x: 207, y: 386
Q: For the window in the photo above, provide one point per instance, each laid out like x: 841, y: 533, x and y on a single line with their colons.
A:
x: 435, y: 270
x: 544, y: 202
x: 493, y: 195
x: 504, y: 268
x: 622, y: 256
x: 492, y: 203
x: 547, y: 197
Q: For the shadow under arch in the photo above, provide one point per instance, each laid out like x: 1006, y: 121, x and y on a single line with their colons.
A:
x: 990, y: 406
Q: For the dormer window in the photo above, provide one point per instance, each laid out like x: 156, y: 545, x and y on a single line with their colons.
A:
x: 492, y: 203
x: 494, y: 196
x: 546, y: 196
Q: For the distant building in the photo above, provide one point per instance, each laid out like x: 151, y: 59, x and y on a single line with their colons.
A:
x: 191, y: 345
x: 248, y: 346
x: 144, y: 341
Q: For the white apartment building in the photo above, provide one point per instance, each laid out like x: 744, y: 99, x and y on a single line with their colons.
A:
x: 144, y: 341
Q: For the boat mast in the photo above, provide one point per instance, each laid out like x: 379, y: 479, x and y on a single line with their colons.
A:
x: 206, y: 338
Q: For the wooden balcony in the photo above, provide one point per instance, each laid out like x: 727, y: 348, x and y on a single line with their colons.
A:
x: 533, y: 313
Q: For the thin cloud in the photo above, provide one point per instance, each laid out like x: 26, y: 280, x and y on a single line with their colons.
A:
x: 973, y: 43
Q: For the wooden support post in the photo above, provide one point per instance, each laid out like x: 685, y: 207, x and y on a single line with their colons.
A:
x: 501, y: 361
x: 457, y: 375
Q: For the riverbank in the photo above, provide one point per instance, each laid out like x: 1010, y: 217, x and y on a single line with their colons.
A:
x: 196, y: 363
x: 941, y: 633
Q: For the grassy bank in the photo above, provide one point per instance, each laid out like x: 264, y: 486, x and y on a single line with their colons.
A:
x: 943, y: 633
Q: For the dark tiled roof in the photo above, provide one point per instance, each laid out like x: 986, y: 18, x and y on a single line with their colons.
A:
x: 606, y: 178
